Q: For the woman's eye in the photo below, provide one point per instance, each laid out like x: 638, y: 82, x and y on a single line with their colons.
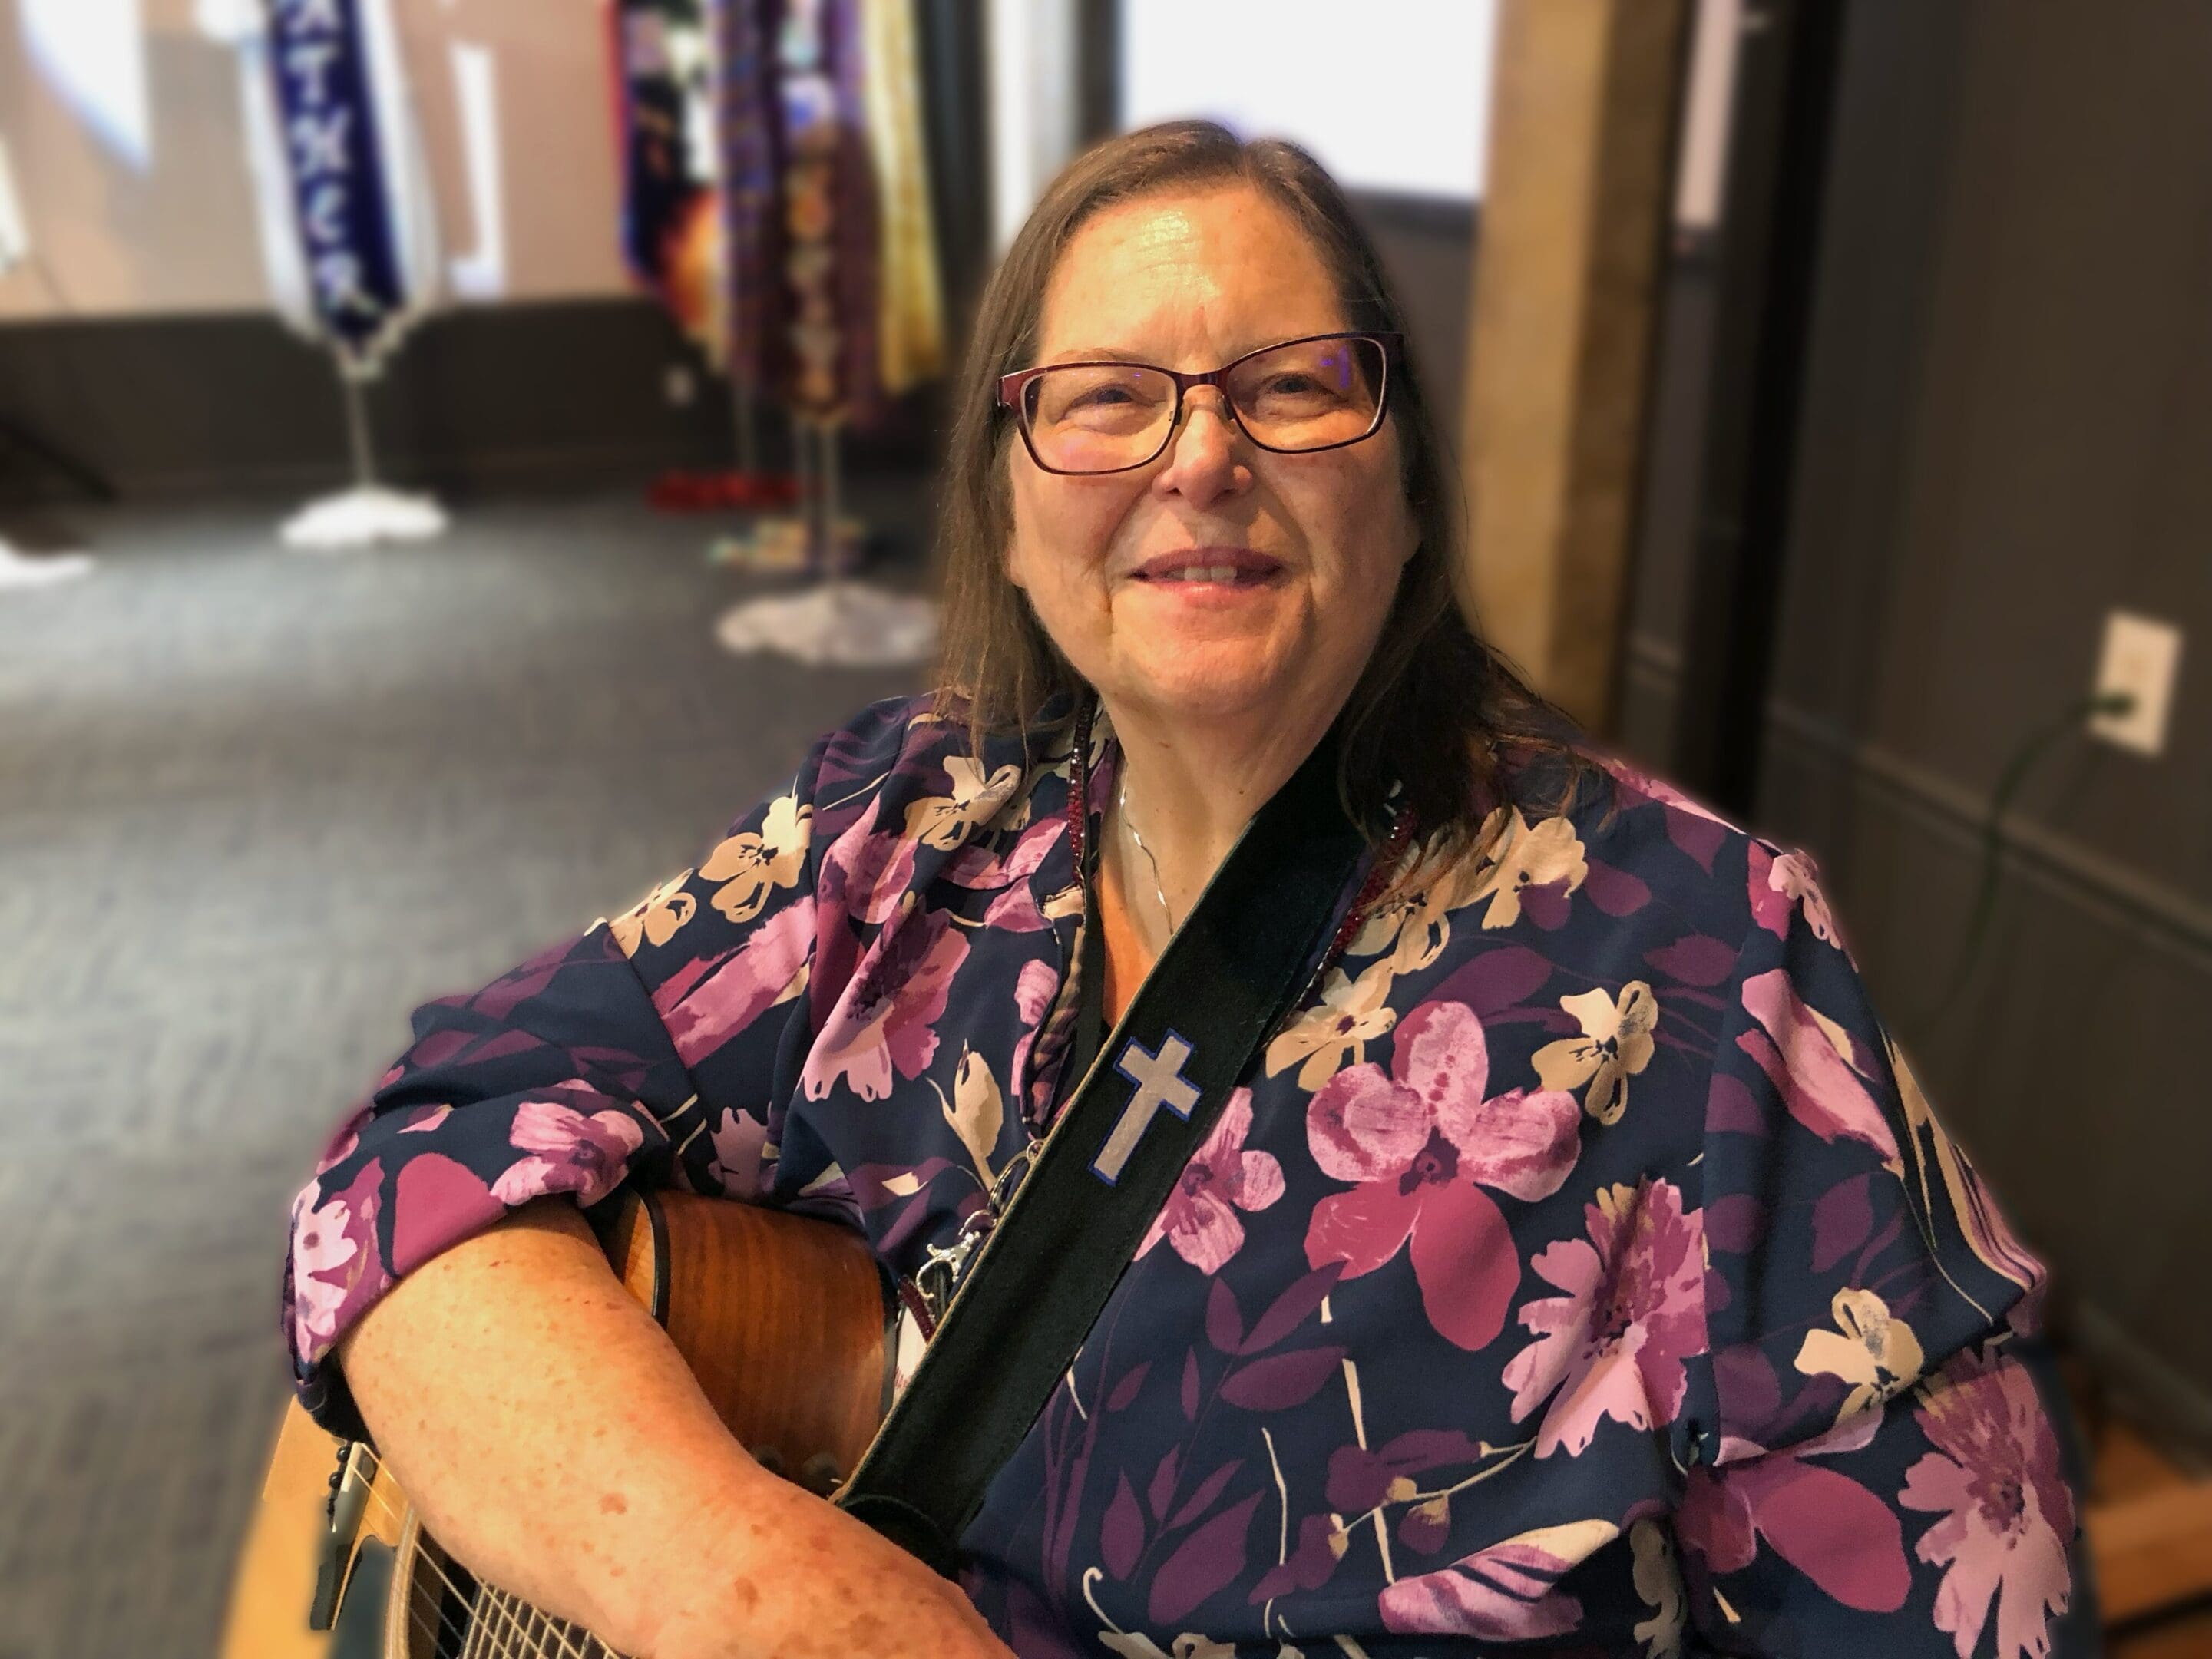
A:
x: 1105, y: 394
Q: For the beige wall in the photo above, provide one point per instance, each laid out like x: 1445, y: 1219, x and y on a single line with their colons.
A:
x: 181, y: 238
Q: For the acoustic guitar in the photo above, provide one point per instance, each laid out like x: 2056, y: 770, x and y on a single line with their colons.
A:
x: 784, y: 1320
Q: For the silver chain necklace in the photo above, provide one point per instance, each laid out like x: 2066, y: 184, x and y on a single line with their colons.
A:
x: 1129, y: 823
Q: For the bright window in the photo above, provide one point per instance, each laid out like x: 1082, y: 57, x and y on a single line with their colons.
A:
x: 93, y: 54
x: 1390, y: 94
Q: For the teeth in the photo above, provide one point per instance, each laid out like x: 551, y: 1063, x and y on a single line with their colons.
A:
x: 1202, y: 572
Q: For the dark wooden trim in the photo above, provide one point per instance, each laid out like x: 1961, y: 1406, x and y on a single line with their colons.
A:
x: 956, y: 102
x: 1769, y: 251
x: 1098, y: 69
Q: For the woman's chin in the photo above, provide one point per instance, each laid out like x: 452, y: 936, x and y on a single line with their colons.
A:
x: 1211, y: 682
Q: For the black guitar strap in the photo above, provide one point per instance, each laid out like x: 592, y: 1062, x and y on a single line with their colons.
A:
x: 1146, y: 1102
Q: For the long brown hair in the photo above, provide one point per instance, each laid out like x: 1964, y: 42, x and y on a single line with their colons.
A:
x: 1435, y: 706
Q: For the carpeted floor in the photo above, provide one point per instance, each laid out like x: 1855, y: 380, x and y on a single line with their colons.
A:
x: 253, y: 806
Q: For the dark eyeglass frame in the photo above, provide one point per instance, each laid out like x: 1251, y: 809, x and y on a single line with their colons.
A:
x: 1011, y: 387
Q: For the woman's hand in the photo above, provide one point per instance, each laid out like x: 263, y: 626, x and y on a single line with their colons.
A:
x: 797, y: 1578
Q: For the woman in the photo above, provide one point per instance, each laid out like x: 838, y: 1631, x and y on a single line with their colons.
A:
x: 1579, y: 1266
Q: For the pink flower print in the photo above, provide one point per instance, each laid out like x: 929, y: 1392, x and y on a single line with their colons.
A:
x: 1506, y: 1593
x: 1654, y: 789
x: 705, y: 1003
x: 1034, y: 991
x: 568, y: 1152
x: 739, y: 1139
x: 884, y: 1021
x: 1694, y: 828
x: 345, y: 1142
x: 1421, y: 1144
x: 1782, y: 882
x: 2007, y: 1513
x: 867, y: 875
x: 975, y: 868
x: 1818, y: 1520
x: 1199, y: 1218
x: 335, y: 1268
x: 1812, y: 1063
x: 1613, y: 1344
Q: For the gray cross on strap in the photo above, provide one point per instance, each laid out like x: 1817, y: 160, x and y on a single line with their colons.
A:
x: 1160, y: 1083
x: 1239, y: 963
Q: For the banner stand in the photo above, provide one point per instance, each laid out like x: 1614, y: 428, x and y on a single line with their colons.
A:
x: 370, y: 512
x: 717, y: 489
x: 347, y: 222
x: 838, y: 622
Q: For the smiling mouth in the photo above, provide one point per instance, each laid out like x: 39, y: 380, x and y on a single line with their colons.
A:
x: 1207, y: 572
x: 1220, y: 567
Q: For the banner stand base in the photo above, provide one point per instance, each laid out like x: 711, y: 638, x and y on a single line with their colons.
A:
x: 19, y: 571
x: 839, y: 624
x: 363, y: 517
x: 734, y: 488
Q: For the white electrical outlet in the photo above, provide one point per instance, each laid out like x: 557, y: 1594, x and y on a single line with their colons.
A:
x: 2143, y: 656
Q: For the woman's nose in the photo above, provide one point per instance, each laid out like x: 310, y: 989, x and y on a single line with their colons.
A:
x: 1204, y: 461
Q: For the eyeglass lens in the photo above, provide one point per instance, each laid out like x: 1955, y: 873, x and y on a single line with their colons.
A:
x: 1103, y: 417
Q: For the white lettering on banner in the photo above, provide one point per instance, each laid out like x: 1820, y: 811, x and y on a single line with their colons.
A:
x: 295, y: 18
x: 338, y: 277
x: 324, y: 216
x: 319, y: 145
x: 309, y: 66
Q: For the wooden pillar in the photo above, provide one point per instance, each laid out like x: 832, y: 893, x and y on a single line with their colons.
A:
x: 1566, y: 310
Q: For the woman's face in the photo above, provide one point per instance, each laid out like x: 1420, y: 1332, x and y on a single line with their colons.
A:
x: 1190, y: 283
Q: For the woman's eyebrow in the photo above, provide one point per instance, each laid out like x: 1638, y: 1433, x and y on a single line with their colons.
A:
x: 1096, y: 355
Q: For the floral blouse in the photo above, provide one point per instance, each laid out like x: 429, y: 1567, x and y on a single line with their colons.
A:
x: 1580, y: 1271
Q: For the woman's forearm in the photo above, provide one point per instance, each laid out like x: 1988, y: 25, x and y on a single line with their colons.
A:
x: 547, y: 1429
x: 556, y: 1442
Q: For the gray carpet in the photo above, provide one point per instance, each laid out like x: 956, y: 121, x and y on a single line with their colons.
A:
x: 253, y: 806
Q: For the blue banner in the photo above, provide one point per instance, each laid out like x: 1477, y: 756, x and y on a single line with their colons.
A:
x: 327, y: 117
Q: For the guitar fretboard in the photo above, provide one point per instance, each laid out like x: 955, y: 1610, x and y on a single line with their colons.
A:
x: 503, y: 1626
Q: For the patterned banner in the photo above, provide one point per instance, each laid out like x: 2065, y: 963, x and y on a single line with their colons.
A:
x: 664, y: 122
x: 345, y: 176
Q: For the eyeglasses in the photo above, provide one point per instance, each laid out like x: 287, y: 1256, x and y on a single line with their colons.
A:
x: 1323, y: 391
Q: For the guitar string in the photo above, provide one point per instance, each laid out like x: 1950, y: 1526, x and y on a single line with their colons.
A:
x: 520, y: 1620
x: 391, y: 1515
x: 556, y: 1628
x: 533, y: 1634
x: 526, y: 1629
x: 446, y: 1621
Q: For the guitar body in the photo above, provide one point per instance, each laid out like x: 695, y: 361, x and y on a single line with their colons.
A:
x: 784, y: 1321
